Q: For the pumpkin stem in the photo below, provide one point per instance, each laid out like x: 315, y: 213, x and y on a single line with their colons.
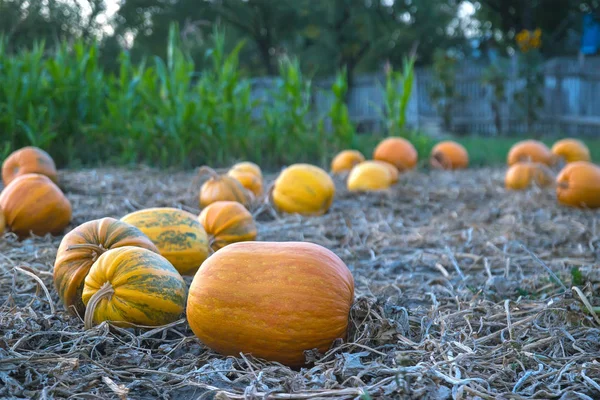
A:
x: 105, y: 291
x: 206, y: 170
x: 437, y: 161
x: 97, y: 249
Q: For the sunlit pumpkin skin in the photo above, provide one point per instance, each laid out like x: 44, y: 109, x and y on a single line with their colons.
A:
x: 249, y: 180
x: 398, y: 152
x: 82, y: 246
x: 369, y: 176
x: 227, y: 222
x: 247, y: 166
x: 278, y: 299
x: 571, y: 150
x: 522, y: 175
x: 530, y: 150
x: 148, y: 290
x: 303, y: 189
x: 28, y: 160
x: 449, y: 155
x: 345, y: 160
x: 578, y: 185
x: 394, y: 173
x: 222, y: 188
x: 33, y: 203
x: 177, y: 234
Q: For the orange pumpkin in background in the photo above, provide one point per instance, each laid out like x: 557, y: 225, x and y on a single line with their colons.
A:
x: 28, y: 160
x: 369, y: 176
x: 578, y: 185
x: 345, y: 160
x: 247, y: 166
x: 522, y: 175
x: 530, y: 150
x: 222, y: 188
x: 249, y: 180
x: 32, y: 203
x: 571, y: 150
x: 398, y: 152
x: 227, y: 222
x: 449, y: 155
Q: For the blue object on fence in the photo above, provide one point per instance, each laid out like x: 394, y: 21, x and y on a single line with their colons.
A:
x: 590, y: 40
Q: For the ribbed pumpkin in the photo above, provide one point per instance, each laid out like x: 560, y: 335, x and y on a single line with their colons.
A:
x: 571, y: 150
x: 369, y: 176
x: 28, y: 160
x: 33, y: 203
x: 345, y: 160
x: 82, y: 246
x: 523, y: 174
x: 222, y: 188
x: 278, y: 299
x: 133, y: 285
x: 177, y: 234
x: 394, y: 173
x: 578, y: 185
x: 398, y: 152
x: 247, y: 166
x: 449, y: 155
x: 249, y: 180
x: 530, y: 150
x: 303, y: 189
x: 227, y: 222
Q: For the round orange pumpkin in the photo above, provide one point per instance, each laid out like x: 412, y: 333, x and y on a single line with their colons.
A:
x: 369, y: 176
x: 578, y: 185
x: 394, y: 173
x: 522, y: 175
x: 398, y: 152
x: 132, y: 285
x: 222, y: 187
x: 303, y: 189
x: 32, y: 203
x: 345, y: 160
x: 530, y: 150
x: 177, y: 234
x: 247, y: 166
x: 278, y: 299
x: 227, y: 222
x: 249, y: 180
x: 449, y: 155
x: 28, y: 160
x: 571, y: 150
x: 82, y: 246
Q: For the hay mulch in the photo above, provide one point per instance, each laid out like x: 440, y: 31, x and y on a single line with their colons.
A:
x: 463, y: 290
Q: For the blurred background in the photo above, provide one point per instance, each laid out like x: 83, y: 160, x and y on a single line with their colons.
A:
x: 189, y: 82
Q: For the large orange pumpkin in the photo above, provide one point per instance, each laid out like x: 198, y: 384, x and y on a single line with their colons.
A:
x: 571, y: 150
x: 530, y: 150
x: 82, y: 246
x: 249, y: 180
x: 247, y: 166
x: 522, y: 175
x: 28, y: 160
x: 278, y: 299
x: 132, y: 285
x: 449, y: 155
x: 303, y: 189
x: 222, y: 187
x: 177, y: 234
x: 578, y: 185
x: 398, y: 152
x: 32, y: 203
x: 227, y: 222
x: 345, y: 160
x: 369, y: 176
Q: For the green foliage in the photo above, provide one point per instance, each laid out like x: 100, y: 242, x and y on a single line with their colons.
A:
x: 530, y: 98
x: 344, y: 134
x: 398, y: 90
x: 443, y: 93
x: 495, y: 76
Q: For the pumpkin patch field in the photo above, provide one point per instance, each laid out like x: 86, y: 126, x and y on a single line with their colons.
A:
x: 441, y: 282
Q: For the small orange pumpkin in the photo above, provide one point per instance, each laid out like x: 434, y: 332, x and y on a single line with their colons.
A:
x: 530, y: 150
x: 32, y: 203
x: 449, y: 155
x: 398, y: 152
x: 521, y: 175
x: 369, y: 176
x: 571, y: 150
x: 249, y: 180
x: 394, y: 173
x: 278, y: 298
x: 578, y: 185
x: 227, y: 222
x: 247, y: 166
x: 222, y: 187
x: 28, y: 160
x: 345, y: 160
x: 82, y: 246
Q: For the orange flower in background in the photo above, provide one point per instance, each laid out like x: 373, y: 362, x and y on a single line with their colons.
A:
x: 529, y: 40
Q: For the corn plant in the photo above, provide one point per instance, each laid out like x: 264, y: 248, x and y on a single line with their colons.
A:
x: 397, y: 93
x: 343, y: 129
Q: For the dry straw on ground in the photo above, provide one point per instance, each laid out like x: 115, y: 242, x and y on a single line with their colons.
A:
x: 450, y: 303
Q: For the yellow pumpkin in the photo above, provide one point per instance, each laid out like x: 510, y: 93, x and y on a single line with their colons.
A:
x: 522, y: 175
x: 249, y: 180
x: 345, y: 160
x: 530, y: 150
x: 578, y: 185
x: 131, y: 285
x: 273, y: 300
x: 303, y: 189
x: 369, y: 176
x: 222, y: 188
x: 227, y: 222
x: 449, y: 155
x: 394, y: 173
x: 571, y: 150
x: 398, y: 152
x: 177, y: 234
x: 247, y: 166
